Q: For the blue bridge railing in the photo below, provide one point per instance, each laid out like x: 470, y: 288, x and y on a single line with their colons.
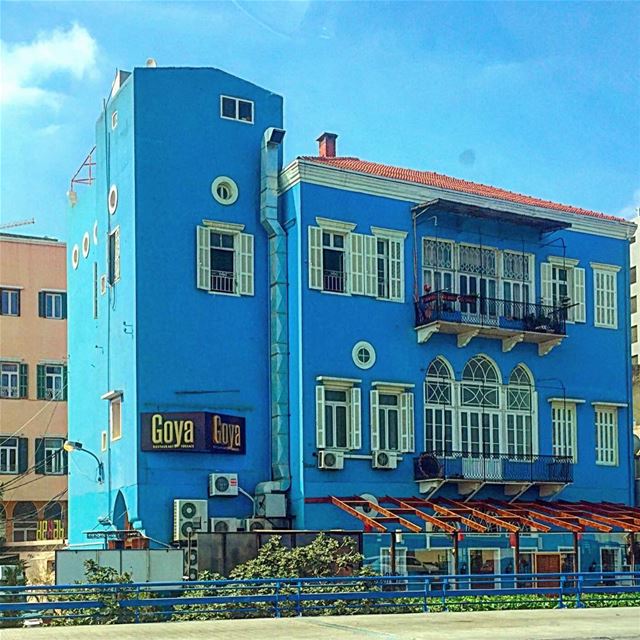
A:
x: 144, y: 602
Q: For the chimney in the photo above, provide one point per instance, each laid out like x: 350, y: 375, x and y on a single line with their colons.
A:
x: 327, y: 145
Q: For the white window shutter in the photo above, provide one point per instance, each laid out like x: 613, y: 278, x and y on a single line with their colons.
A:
x: 407, y: 438
x: 315, y: 258
x: 245, y: 269
x: 320, y: 418
x: 396, y: 270
x: 371, y: 268
x: 356, y: 421
x: 546, y: 290
x: 357, y: 263
x: 203, y: 265
x: 375, y: 427
x: 579, y: 311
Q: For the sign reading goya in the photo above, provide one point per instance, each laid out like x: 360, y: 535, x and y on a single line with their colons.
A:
x: 196, y: 432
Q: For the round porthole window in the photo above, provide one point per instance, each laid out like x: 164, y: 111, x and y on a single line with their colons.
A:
x: 113, y: 199
x: 224, y: 190
x: 86, y: 243
x: 95, y: 232
x: 364, y: 355
x: 75, y: 256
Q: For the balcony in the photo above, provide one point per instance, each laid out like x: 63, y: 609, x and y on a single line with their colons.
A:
x: 222, y: 281
x: 468, y: 316
x: 517, y: 472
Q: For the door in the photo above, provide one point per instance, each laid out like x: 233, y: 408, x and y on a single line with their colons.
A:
x: 548, y: 563
x: 478, y: 299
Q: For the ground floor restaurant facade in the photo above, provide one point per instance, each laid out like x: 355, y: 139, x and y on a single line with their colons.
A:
x: 414, y: 536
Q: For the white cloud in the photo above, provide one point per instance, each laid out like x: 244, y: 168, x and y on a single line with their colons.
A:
x: 26, y: 66
x: 633, y: 208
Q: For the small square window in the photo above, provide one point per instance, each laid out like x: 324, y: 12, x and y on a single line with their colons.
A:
x: 245, y: 111
x: 633, y: 275
x: 634, y: 304
x: 228, y: 107
x: 10, y: 302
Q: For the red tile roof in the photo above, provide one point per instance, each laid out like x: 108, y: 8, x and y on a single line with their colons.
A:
x: 440, y: 181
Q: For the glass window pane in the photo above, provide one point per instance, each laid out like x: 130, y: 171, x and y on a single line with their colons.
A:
x: 228, y: 107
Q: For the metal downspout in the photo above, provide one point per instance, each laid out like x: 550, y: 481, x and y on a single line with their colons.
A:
x: 279, y: 340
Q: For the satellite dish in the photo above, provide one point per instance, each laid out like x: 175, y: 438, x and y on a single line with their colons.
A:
x: 366, y: 509
x: 151, y: 63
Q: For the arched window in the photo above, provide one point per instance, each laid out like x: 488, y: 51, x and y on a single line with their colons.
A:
x: 438, y: 407
x: 25, y: 522
x: 520, y: 413
x: 480, y: 407
x: 53, y: 511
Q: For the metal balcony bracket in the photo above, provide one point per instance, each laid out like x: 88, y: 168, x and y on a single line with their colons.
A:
x: 465, y: 337
x: 550, y: 490
x: 514, y: 491
x: 545, y: 347
x: 429, y: 488
x: 469, y: 489
x: 511, y: 341
x: 424, y: 333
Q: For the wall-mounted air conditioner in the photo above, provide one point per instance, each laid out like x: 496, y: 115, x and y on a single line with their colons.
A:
x: 191, y: 563
x: 255, y: 524
x: 384, y: 460
x: 189, y: 516
x: 223, y: 484
x: 223, y: 525
x: 328, y: 459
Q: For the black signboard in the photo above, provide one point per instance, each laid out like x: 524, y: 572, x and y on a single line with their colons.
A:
x: 197, y: 432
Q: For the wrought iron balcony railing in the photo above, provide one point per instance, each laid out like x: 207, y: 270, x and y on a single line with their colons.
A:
x: 222, y: 281
x: 489, y: 467
x: 489, y: 312
x: 334, y: 281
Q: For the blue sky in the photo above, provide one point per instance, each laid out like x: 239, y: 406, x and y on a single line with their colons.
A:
x: 540, y: 98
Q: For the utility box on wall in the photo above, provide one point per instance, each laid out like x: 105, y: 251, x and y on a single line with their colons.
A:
x: 144, y: 565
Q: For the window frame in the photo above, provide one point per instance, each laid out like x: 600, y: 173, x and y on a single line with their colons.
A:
x: 4, y: 364
x: 50, y: 378
x: 564, y: 433
x: 353, y: 404
x: 605, y: 298
x: 8, y: 446
x: 115, y: 434
x: 243, y: 257
x: 113, y: 256
x: 607, y: 456
x: 49, y: 295
x: 13, y: 309
x: 237, y: 101
x: 53, y: 452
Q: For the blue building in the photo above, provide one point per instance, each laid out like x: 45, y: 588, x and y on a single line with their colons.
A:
x: 258, y: 346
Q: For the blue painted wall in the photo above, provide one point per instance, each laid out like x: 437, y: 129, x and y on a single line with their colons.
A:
x: 592, y: 363
x: 171, y: 347
x: 163, y: 342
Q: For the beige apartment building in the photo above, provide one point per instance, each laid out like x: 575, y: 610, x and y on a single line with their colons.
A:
x: 33, y: 393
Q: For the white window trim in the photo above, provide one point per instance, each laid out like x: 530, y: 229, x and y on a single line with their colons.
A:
x: 15, y: 287
x: 567, y: 403
x: 605, y: 267
x: 237, y: 100
x: 338, y: 226
x: 392, y: 387
x: 113, y: 393
x: 603, y: 403
x: 119, y: 400
x: 563, y: 262
x: 223, y: 227
x: 363, y: 344
x: 393, y: 234
x: 338, y: 383
x: 567, y: 400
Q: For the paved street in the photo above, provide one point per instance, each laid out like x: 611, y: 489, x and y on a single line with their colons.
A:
x: 567, y: 624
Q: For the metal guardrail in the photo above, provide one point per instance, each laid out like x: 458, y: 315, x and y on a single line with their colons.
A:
x: 492, y: 467
x: 140, y: 602
x: 489, y: 312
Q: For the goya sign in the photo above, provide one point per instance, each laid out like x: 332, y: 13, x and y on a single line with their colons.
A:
x: 196, y: 432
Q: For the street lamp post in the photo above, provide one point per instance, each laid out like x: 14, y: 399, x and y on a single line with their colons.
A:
x: 71, y: 445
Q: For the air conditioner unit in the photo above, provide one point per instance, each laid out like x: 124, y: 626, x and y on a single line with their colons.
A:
x: 191, y: 563
x: 189, y: 516
x: 255, y: 524
x: 330, y: 459
x: 384, y: 460
x: 223, y: 525
x: 223, y: 484
x: 271, y: 505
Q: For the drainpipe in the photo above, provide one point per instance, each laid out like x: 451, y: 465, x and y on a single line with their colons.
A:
x: 279, y: 341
